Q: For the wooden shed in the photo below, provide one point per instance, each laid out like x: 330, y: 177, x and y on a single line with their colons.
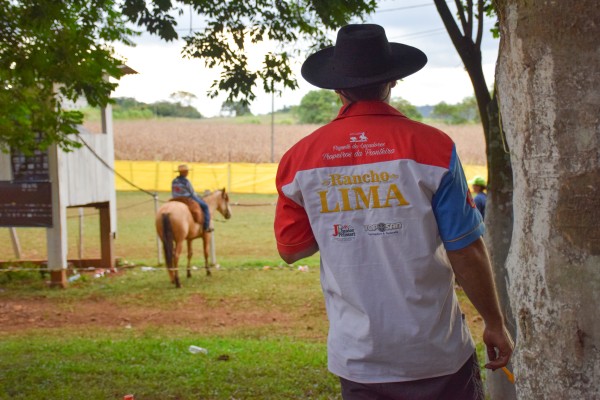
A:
x: 35, y: 191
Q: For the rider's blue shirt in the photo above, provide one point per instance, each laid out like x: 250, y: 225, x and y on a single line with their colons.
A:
x: 182, y: 187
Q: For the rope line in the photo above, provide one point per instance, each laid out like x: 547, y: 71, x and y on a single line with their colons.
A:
x: 95, y: 213
x: 147, y: 268
x: 153, y: 194
x: 113, y: 170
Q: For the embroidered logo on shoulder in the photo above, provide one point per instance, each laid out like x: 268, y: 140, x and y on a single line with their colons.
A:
x: 343, y: 232
x: 358, y: 137
x: 383, y: 228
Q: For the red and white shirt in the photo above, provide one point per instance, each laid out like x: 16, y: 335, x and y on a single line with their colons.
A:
x: 382, y: 196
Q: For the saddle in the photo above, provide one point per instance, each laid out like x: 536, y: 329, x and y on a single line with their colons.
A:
x: 194, y: 207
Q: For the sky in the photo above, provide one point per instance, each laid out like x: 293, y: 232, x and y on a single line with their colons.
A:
x: 162, y: 70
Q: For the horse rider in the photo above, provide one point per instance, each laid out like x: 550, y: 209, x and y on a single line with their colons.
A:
x: 182, y: 187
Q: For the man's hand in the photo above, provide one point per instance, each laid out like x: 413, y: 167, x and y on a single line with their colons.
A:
x: 499, y: 346
x: 473, y: 271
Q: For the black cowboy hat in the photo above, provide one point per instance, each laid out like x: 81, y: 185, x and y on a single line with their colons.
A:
x: 362, y: 56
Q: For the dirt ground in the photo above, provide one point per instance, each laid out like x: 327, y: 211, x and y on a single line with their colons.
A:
x: 195, y: 315
x: 18, y: 316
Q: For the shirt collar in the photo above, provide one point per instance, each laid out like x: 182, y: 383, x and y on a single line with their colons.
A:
x: 367, y: 108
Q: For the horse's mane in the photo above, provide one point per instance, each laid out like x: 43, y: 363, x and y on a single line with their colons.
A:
x: 210, y: 193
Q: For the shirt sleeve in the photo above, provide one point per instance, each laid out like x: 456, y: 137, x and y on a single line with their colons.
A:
x: 292, y: 226
x: 458, y: 220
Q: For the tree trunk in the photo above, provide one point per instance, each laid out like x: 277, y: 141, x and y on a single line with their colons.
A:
x: 499, y: 222
x: 549, y: 86
x: 499, y: 214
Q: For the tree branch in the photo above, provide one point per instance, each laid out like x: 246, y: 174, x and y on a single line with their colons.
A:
x: 461, y: 15
x: 449, y: 22
x: 469, y: 31
x: 480, y: 12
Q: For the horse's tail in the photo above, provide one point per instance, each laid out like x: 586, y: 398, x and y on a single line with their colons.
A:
x: 167, y: 240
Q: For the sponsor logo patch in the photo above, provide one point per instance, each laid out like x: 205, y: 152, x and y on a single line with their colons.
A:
x: 383, y: 228
x: 343, y: 232
x: 358, y: 137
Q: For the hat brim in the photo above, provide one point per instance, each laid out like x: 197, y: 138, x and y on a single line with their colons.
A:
x: 319, y: 68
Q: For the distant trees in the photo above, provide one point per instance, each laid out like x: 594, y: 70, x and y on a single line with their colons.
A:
x: 321, y: 106
x: 318, y: 107
x: 406, y: 108
x: 235, y: 108
x: 168, y: 109
x: 129, y: 108
x: 185, y: 98
x: 461, y: 113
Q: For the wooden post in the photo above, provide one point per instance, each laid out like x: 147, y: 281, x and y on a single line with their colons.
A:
x: 106, y: 238
x: 15, y: 242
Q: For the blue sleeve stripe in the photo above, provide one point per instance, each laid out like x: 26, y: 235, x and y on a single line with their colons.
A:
x: 464, y: 241
x: 459, y: 224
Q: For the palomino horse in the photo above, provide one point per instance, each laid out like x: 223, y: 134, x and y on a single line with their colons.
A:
x: 174, y: 223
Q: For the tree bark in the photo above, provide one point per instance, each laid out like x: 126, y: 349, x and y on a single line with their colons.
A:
x: 549, y: 86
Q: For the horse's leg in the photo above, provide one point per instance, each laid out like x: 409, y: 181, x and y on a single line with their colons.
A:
x: 169, y: 261
x: 206, y: 240
x: 189, y: 258
x: 178, y: 249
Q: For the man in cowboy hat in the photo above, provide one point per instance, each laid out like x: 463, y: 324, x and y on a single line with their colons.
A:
x: 182, y: 187
x: 385, y: 201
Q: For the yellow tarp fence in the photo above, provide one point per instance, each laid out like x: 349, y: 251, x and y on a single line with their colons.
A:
x: 156, y: 176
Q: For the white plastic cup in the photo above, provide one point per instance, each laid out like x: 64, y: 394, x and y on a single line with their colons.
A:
x: 197, y: 350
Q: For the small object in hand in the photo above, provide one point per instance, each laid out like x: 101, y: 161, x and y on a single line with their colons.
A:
x: 509, y: 375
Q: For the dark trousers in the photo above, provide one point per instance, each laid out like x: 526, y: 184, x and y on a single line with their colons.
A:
x: 463, y: 385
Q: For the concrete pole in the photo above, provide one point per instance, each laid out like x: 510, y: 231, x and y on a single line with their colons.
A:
x: 56, y: 236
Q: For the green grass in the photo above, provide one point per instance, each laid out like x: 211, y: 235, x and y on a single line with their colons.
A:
x: 263, y: 360
x: 101, y: 367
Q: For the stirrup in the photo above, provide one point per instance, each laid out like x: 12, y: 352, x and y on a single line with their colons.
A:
x: 210, y: 229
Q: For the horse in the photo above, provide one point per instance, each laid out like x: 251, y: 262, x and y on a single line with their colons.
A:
x: 174, y: 223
